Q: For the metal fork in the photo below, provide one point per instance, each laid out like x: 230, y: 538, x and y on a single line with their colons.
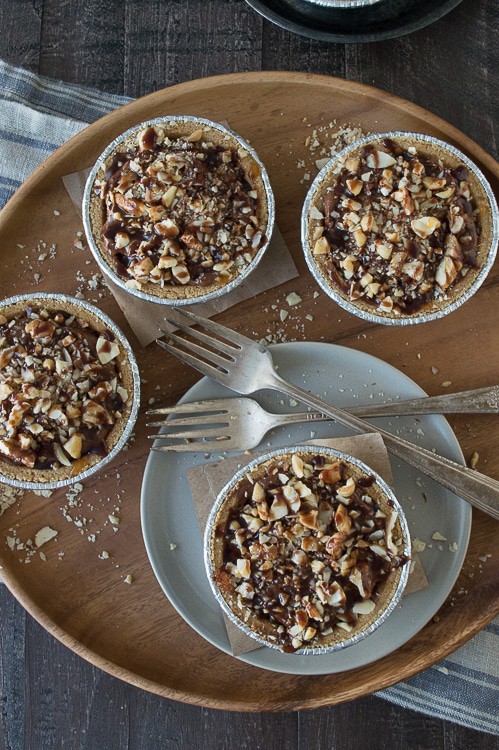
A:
x: 245, y: 366
x: 240, y: 423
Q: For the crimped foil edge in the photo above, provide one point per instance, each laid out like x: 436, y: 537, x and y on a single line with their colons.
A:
x: 145, y: 296
x: 404, y: 571
x: 345, y: 4
x: 127, y: 430
x: 372, y: 317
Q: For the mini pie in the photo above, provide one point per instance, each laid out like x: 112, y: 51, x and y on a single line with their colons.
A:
x: 306, y: 550
x: 399, y: 227
x: 66, y: 389
x: 178, y: 209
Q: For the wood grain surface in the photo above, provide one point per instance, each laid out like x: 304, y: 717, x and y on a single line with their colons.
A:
x: 137, y: 50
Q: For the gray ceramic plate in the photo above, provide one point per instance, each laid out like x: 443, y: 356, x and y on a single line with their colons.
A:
x: 346, y: 377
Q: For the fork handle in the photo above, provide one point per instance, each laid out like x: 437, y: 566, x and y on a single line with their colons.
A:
x: 479, y: 490
x: 477, y: 401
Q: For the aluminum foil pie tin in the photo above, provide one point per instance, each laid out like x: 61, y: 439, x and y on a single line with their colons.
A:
x: 94, y: 316
x: 106, y: 263
x: 211, y: 531
x: 344, y: 3
x: 489, y: 219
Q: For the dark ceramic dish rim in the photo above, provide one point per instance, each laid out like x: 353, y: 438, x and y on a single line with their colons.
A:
x: 345, y: 25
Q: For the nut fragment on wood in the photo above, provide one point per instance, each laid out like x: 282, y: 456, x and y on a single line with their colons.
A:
x: 44, y: 535
x: 474, y: 459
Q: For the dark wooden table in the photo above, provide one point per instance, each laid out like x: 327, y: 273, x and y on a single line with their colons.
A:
x: 50, y: 698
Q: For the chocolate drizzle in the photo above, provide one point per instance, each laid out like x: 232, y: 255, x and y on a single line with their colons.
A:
x: 303, y: 544
x: 402, y: 228
x: 180, y: 211
x: 54, y: 387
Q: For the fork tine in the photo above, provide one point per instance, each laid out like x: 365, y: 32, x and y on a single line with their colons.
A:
x: 188, y: 359
x: 209, y: 340
x: 212, y: 419
x: 227, y: 333
x: 194, y: 407
x: 213, y: 447
x: 208, y: 354
x: 218, y: 432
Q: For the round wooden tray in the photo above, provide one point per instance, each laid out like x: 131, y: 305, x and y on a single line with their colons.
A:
x: 132, y: 631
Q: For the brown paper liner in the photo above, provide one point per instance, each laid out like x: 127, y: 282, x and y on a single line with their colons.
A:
x: 206, y: 482
x: 145, y: 318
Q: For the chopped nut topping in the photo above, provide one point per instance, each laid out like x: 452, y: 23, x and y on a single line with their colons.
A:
x: 399, y: 228
x: 320, y: 555
x: 59, y: 395
x: 181, y: 210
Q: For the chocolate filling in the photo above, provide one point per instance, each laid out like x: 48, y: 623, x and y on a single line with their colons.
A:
x: 401, y: 228
x: 179, y: 212
x: 58, y: 401
x: 300, y: 553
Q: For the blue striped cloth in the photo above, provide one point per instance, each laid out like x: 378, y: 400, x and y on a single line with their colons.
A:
x: 36, y: 116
